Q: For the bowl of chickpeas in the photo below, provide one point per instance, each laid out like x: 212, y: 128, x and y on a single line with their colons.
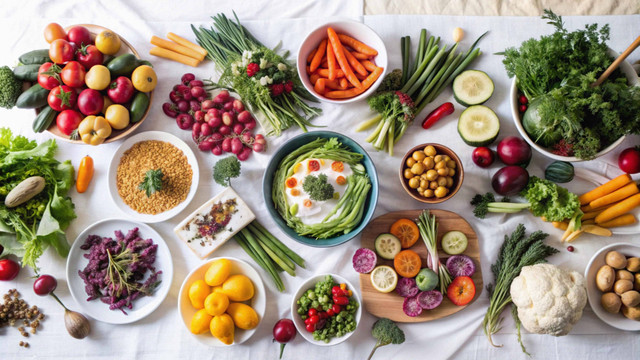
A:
x: 431, y: 173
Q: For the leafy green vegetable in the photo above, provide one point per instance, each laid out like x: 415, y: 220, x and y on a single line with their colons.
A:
x: 391, y: 82
x: 385, y: 332
x: 317, y: 187
x: 28, y: 229
x: 152, y: 182
x: 10, y: 88
x: 226, y: 169
x: 515, y: 253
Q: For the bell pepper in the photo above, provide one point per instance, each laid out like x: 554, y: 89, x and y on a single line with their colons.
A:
x: 93, y: 130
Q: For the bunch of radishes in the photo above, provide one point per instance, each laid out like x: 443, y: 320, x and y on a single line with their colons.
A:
x: 218, y: 125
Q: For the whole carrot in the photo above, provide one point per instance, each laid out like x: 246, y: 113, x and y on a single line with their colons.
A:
x: 357, y: 45
x: 343, y: 94
x: 317, y: 58
x: 620, y: 208
x: 338, y: 50
x: 604, y: 189
x: 331, y: 63
x: 355, y: 64
x: 85, y: 174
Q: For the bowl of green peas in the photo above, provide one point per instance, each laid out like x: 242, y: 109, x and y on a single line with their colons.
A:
x: 326, y: 309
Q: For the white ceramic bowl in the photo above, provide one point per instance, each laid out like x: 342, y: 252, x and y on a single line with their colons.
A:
x: 356, y: 30
x: 626, y: 69
x: 309, y: 284
x: 113, y: 170
x: 258, y: 302
x: 616, y: 320
x: 142, y: 306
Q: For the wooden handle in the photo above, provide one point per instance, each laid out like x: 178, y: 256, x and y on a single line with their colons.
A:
x: 617, y: 62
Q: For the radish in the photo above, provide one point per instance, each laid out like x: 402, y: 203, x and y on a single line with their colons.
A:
x: 228, y: 106
x: 197, y: 91
x: 183, y: 106
x: 217, y: 138
x: 226, y: 145
x: 244, y: 155
x: 215, y: 122
x: 407, y: 287
x: 250, y: 125
x: 246, y: 138
x: 199, y: 116
x: 429, y: 300
x: 244, y: 117
x: 205, y: 129
x: 238, y: 128
x: 207, y: 104
x: 460, y: 265
x: 238, y: 106
x: 228, y: 118
x: 217, y: 150
x: 194, y: 83
x: 224, y: 130
x: 207, y: 144
x: 258, y: 147
x: 236, y: 146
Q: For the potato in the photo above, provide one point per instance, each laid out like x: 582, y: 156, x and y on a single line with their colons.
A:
x: 636, y: 285
x: 605, y: 278
x: 611, y: 302
x: 624, y: 275
x: 615, y: 260
x: 632, y: 313
x: 630, y: 298
x: 622, y: 286
x: 633, y: 264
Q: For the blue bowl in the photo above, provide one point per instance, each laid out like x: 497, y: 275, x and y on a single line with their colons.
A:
x: 296, y: 142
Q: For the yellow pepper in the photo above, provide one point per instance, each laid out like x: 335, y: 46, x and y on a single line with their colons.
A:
x: 93, y: 130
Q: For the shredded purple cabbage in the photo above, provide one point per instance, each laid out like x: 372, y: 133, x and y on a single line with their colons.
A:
x: 117, y: 267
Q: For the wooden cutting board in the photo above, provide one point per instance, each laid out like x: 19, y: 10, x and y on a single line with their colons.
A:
x: 390, y: 305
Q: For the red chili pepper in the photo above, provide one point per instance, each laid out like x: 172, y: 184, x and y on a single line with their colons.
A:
x: 437, y: 114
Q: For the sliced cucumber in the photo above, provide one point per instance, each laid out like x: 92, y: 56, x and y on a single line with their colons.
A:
x: 454, y: 242
x: 472, y: 87
x: 387, y: 246
x: 478, y: 125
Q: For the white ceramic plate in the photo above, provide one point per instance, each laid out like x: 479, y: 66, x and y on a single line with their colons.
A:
x: 258, y: 302
x: 297, y: 320
x: 142, y: 306
x: 615, y: 320
x: 113, y: 170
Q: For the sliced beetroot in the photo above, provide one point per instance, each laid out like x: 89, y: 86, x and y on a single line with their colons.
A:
x: 461, y: 265
x: 364, y: 260
x: 407, y: 287
x: 429, y: 300
x: 411, y: 306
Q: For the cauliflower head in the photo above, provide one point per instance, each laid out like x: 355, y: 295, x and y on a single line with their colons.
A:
x: 550, y: 300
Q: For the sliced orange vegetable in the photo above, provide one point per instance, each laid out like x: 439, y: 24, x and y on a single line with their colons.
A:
x: 85, y: 174
x: 407, y: 263
x: 341, y: 180
x: 317, y: 58
x: 307, y: 203
x: 357, y: 45
x: 337, y: 166
x: 295, y: 192
x: 343, y: 94
x: 620, y: 208
x: 341, y: 58
x: 604, y: 189
x: 313, y: 165
x: 406, y: 231
x: 291, y: 182
x: 620, y: 194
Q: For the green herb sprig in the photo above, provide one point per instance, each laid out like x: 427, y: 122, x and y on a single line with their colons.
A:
x: 152, y: 182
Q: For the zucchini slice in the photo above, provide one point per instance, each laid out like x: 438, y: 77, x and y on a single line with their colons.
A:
x: 478, y: 125
x: 472, y: 87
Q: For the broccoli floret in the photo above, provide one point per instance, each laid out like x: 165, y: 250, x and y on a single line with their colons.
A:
x: 226, y: 169
x: 386, y: 332
x: 391, y: 82
x: 317, y: 187
x: 10, y: 88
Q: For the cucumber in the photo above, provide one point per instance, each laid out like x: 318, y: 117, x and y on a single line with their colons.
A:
x: 478, y: 125
x: 454, y: 242
x: 27, y: 72
x: 44, y: 119
x: 472, y: 87
x: 33, y: 97
x: 387, y: 246
x: 559, y: 172
x: 122, y: 65
x: 39, y: 57
x: 138, y: 107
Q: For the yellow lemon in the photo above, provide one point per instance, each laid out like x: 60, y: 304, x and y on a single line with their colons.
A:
x: 144, y: 78
x: 222, y: 328
x: 198, y: 291
x: 200, y: 322
x: 218, y: 272
x: 216, y: 303
x: 243, y: 315
x: 238, y: 288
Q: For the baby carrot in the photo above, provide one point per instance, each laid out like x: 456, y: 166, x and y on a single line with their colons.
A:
x: 325, y: 73
x: 172, y: 55
x: 342, y: 59
x: 343, y: 94
x: 311, y: 55
x: 621, y: 208
x: 357, y: 45
x: 317, y: 58
x: 620, y: 194
x: 169, y: 45
x: 186, y: 43
x: 604, y: 189
x: 331, y: 63
x: 313, y: 78
x: 368, y: 65
x: 334, y: 84
x: 319, y: 86
x: 360, y: 56
x: 355, y: 64
x: 344, y: 83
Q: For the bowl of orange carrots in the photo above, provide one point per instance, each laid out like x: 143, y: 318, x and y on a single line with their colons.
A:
x: 342, y: 61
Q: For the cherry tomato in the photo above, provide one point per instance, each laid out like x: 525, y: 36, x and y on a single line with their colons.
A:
x: 73, y: 74
x: 330, y: 312
x: 79, y: 35
x: 62, y: 98
x: 88, y: 56
x: 310, y: 328
x: 341, y: 300
x: 522, y: 108
x: 48, y: 75
x: 313, y: 319
x: 312, y: 312
x: 629, y: 160
x: 523, y: 99
x: 336, y: 309
x: 120, y: 90
x: 323, y: 315
x: 335, y: 291
x: 90, y: 102
x: 9, y: 269
x: 44, y: 285
x: 314, y: 165
x: 53, y: 32
x: 68, y: 120
x: 61, y: 51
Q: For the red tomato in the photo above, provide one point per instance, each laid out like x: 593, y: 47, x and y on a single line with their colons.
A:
x: 461, y: 290
x: 62, y: 98
x: 629, y: 160
x: 9, y: 269
x: 48, y: 75
x: 72, y: 74
x: 79, y: 35
x: 54, y: 31
x: 89, y: 56
x: 68, y: 120
x: 61, y: 51
x: 313, y: 165
x: 90, y: 102
x: 120, y: 90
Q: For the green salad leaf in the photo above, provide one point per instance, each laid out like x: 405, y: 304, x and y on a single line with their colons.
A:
x: 28, y: 229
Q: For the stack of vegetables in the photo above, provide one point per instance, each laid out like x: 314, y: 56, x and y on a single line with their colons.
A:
x: 177, y: 49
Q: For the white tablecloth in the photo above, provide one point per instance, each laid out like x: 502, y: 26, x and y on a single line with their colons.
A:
x: 162, y: 334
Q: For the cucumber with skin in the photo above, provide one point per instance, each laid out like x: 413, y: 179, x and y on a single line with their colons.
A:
x: 27, y: 72
x: 472, y: 87
x: 478, y: 126
x: 138, y: 107
x: 33, y: 57
x: 33, y: 97
x: 124, y: 65
x: 44, y: 119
